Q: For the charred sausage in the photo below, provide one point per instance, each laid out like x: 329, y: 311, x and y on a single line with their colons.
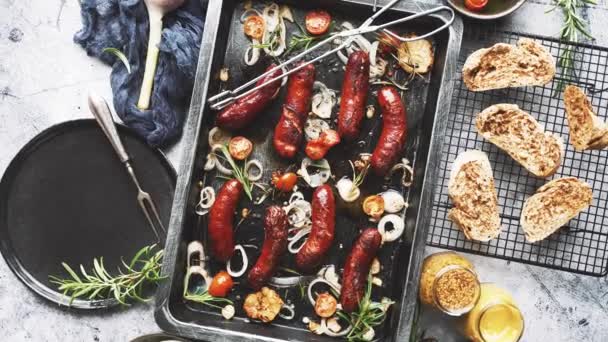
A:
x: 221, y: 220
x: 322, y: 233
x: 244, y: 110
x: 356, y: 268
x: 394, y: 131
x: 288, y: 132
x: 354, y: 95
x: 275, y: 245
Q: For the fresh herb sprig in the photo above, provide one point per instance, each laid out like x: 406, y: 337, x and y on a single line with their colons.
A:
x: 303, y: 40
x: 571, y: 31
x: 359, y: 177
x: 369, y: 315
x: 238, y: 173
x: 129, y: 284
x: 206, y: 299
x: 120, y: 56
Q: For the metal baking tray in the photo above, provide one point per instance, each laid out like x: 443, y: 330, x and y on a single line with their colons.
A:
x: 427, y: 101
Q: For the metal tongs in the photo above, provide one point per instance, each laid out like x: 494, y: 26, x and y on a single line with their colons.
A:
x: 224, y: 98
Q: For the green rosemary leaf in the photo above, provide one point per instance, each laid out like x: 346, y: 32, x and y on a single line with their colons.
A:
x: 70, y: 271
x: 120, y: 56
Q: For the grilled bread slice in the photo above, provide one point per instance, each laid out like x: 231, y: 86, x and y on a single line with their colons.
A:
x: 505, y: 65
x: 587, y: 131
x: 471, y: 189
x: 553, y: 205
x: 522, y: 137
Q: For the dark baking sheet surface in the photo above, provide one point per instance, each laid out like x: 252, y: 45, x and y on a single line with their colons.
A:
x: 66, y: 197
x: 427, y: 105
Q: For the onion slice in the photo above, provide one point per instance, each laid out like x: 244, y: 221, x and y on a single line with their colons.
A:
x: 288, y: 308
x: 294, y: 240
x: 236, y: 274
x: 323, y: 100
x: 316, y: 179
x: 393, y: 201
x: 317, y: 281
x: 254, y: 163
x: 207, y: 198
x: 396, y: 232
x: 218, y: 136
x: 314, y: 127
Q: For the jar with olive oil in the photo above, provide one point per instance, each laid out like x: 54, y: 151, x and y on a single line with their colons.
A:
x: 495, y: 317
x: 449, y: 283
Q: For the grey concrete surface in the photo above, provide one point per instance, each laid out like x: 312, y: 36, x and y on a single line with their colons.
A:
x: 44, y: 79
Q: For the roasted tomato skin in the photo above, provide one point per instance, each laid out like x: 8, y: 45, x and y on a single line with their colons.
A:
x: 475, y: 5
x: 221, y: 284
x: 254, y: 27
x: 284, y: 182
x: 240, y: 148
x: 317, y: 22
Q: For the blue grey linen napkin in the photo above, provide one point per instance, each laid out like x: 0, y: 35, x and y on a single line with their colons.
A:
x: 123, y: 24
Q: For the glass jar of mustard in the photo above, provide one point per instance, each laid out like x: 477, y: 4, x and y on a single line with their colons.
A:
x: 495, y: 317
x: 449, y: 283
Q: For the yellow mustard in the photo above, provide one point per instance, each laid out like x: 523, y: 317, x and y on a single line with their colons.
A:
x: 495, y: 317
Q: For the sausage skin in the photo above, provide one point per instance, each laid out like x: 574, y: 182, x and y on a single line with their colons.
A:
x: 244, y: 110
x: 288, y: 131
x: 322, y: 233
x: 356, y: 268
x: 275, y: 245
x: 394, y: 131
x: 354, y: 95
x: 221, y: 220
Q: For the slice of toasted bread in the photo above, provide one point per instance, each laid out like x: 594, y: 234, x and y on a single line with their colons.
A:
x: 471, y: 189
x: 505, y: 65
x: 553, y: 205
x: 587, y: 131
x: 522, y: 137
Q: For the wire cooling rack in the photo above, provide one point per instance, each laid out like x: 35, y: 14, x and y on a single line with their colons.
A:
x: 582, y: 245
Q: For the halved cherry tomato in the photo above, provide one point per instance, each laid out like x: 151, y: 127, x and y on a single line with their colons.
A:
x: 221, y: 284
x: 254, y: 27
x: 318, y: 148
x: 373, y: 206
x: 284, y: 182
x: 317, y: 22
x: 475, y: 5
x: 240, y: 148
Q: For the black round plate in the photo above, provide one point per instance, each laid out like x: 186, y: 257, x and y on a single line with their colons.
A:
x: 66, y: 197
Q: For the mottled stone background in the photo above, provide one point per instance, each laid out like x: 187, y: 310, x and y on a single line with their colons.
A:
x: 44, y: 79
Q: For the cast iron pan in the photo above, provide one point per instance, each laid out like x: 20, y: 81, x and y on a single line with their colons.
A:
x: 66, y: 197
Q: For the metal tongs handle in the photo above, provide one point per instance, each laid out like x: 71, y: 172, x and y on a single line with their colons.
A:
x: 224, y: 98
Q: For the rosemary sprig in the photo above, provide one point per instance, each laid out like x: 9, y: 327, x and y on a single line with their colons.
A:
x: 239, y: 173
x: 369, y: 315
x: 303, y: 41
x: 573, y: 27
x: 120, y: 56
x: 129, y: 284
x: 206, y: 299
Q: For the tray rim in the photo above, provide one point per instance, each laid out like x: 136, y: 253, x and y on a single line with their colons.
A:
x: 405, y: 316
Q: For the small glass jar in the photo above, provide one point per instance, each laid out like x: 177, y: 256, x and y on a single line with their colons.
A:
x: 495, y: 317
x: 449, y: 283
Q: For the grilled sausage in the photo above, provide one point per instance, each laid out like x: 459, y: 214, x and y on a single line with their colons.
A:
x: 322, y: 233
x: 354, y: 95
x: 356, y: 268
x: 394, y: 131
x: 221, y: 219
x: 275, y: 245
x: 288, y: 132
x: 244, y: 110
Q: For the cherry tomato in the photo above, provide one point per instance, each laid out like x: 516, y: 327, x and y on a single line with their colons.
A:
x: 221, y: 284
x: 284, y: 182
x: 254, y: 27
x: 373, y: 206
x: 240, y: 148
x: 325, y: 305
x: 475, y: 5
x: 317, y: 22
